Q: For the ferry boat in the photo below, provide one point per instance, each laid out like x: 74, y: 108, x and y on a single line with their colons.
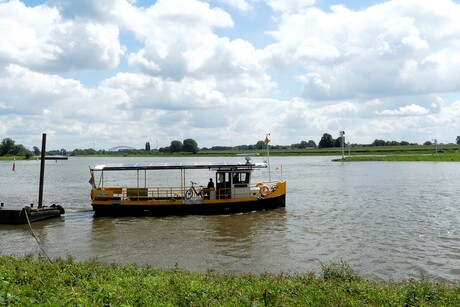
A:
x: 230, y: 189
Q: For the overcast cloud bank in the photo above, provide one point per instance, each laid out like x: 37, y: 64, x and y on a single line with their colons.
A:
x: 119, y: 72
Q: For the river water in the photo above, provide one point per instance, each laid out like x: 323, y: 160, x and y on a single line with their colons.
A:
x: 388, y: 220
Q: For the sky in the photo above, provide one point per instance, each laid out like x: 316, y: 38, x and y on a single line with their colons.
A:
x: 106, y: 73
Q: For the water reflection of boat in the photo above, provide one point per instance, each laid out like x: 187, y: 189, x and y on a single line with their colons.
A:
x: 233, y: 190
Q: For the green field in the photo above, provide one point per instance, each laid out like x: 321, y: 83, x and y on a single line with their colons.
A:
x: 31, y: 282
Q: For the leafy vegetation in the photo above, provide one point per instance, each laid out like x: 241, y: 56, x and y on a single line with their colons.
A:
x: 28, y: 281
x: 448, y: 153
x: 9, y: 148
x: 328, y: 146
x: 340, y: 271
x: 326, y: 141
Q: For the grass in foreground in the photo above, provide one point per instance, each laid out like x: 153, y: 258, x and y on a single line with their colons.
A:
x: 28, y: 281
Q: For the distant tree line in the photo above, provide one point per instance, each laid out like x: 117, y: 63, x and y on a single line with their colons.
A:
x: 189, y: 145
x: 261, y: 145
x: 62, y: 152
x: 395, y: 143
x: 9, y: 147
x: 327, y: 141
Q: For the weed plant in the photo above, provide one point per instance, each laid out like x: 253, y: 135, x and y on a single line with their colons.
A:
x: 30, y: 282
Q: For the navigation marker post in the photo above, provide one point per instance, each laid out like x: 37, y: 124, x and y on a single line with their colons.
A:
x: 435, y: 141
x: 342, y: 143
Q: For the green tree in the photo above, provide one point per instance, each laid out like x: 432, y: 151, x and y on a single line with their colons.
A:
x: 338, y: 142
x: 36, y: 151
x: 147, y: 146
x: 18, y: 150
x: 379, y: 143
x: 326, y: 141
x: 190, y: 145
x: 260, y: 145
x: 458, y: 140
x: 28, y: 154
x: 176, y: 146
x: 7, y: 146
x: 303, y: 144
x: 311, y: 143
x: 391, y: 143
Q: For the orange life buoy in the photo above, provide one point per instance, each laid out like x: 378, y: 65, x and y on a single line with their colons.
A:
x: 264, y: 191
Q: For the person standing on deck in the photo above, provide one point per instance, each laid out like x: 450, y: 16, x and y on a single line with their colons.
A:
x: 210, y: 184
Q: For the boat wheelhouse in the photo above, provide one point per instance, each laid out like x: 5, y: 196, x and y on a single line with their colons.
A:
x: 231, y: 191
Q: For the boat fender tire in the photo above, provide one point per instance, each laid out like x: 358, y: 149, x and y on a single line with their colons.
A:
x: 61, y: 209
x: 264, y: 191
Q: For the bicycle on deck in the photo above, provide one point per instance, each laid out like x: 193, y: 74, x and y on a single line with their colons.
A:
x: 192, y: 192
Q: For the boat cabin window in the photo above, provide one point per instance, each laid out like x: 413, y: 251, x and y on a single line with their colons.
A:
x: 222, y: 178
x: 241, y: 177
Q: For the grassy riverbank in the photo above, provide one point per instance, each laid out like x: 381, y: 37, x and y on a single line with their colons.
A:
x: 356, y: 153
x: 28, y: 281
x: 450, y: 157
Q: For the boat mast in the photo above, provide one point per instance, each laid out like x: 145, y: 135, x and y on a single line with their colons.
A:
x: 267, y: 140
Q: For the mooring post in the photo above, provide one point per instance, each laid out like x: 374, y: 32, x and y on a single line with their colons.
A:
x: 42, y: 171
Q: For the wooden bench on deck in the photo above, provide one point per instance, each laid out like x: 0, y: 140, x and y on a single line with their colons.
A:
x: 137, y: 193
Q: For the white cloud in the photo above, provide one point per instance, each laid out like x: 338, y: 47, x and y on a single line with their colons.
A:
x: 170, y: 20
x: 409, y: 110
x: 191, y: 49
x: 180, y: 68
x: 289, y: 5
x: 41, y: 39
x: 396, y: 48
x: 155, y: 93
x: 28, y: 92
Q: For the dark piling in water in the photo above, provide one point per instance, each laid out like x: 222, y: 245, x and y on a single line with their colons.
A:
x: 42, y: 172
x: 29, y: 214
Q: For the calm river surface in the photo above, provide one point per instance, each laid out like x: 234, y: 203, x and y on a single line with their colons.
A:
x: 389, y: 221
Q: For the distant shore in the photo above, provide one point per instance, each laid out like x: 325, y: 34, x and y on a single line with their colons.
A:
x: 404, y: 158
x: 445, y: 153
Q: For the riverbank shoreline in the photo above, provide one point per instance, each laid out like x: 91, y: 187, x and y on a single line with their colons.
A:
x: 450, y: 157
x: 30, y: 281
x: 446, y: 153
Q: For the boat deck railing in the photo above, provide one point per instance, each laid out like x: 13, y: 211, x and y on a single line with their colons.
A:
x: 177, y: 193
x: 152, y: 193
